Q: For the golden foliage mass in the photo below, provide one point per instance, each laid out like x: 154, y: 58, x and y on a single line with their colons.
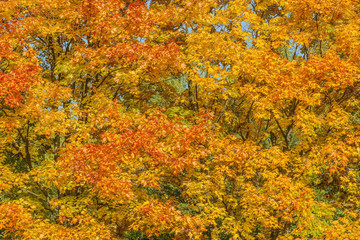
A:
x: 179, y: 119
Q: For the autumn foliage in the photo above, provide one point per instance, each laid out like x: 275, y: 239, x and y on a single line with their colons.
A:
x: 180, y: 119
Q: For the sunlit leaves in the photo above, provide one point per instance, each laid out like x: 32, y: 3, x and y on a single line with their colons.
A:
x: 179, y: 119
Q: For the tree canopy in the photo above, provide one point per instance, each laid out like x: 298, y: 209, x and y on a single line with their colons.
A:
x: 179, y: 119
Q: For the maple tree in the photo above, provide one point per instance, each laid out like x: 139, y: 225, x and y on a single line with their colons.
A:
x: 179, y: 119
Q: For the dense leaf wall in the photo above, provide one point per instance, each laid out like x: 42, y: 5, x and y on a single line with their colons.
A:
x: 179, y: 119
